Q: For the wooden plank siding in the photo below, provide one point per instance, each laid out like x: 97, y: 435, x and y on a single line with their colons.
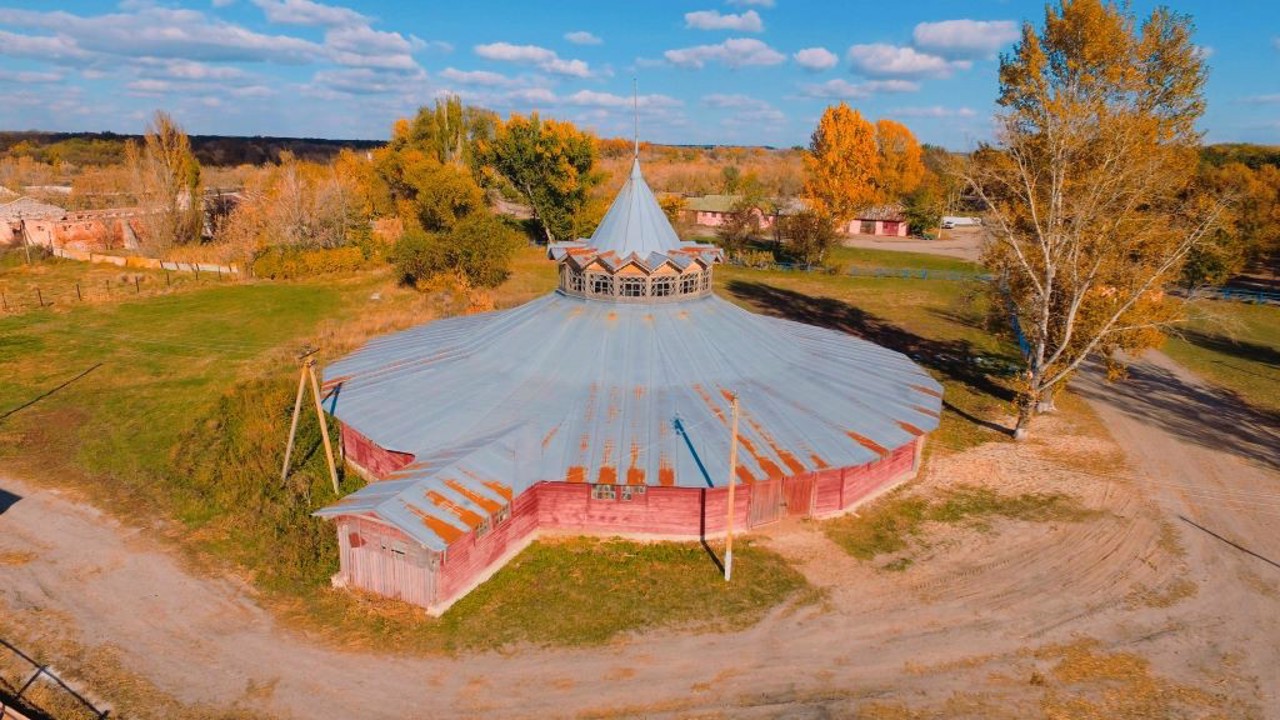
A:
x: 381, y: 559
x: 369, y: 457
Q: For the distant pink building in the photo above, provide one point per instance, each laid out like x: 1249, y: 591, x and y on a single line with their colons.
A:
x: 885, y: 220
x: 714, y: 211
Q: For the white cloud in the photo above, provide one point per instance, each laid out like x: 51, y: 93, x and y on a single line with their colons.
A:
x: 971, y: 39
x: 544, y: 59
x: 840, y: 89
x: 882, y: 60
x: 1204, y: 52
x: 307, y: 12
x: 744, y: 3
x: 935, y: 111
x: 734, y: 52
x: 482, y: 78
x: 223, y: 3
x: 582, y: 37
x: 362, y: 46
x: 746, y: 109
x: 29, y: 78
x: 591, y: 98
x: 748, y: 21
x: 1261, y: 99
x: 190, y: 70
x: 816, y: 59
x: 361, y: 81
x: 154, y: 32
x: 53, y: 49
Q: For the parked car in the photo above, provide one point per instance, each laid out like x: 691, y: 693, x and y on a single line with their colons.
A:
x: 947, y: 225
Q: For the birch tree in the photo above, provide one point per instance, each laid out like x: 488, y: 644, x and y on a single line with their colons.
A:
x: 1089, y: 186
x: 166, y: 179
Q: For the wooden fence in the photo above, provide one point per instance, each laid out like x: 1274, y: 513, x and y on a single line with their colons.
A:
x: 146, y: 263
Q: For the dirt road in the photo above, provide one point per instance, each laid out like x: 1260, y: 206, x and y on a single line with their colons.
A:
x: 963, y: 243
x: 957, y: 634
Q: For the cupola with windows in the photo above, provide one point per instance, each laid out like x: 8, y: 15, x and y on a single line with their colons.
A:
x: 635, y: 255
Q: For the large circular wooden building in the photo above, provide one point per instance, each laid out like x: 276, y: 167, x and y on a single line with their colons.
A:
x: 604, y: 408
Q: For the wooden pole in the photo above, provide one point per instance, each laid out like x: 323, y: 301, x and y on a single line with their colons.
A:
x: 78, y: 295
x: 293, y: 427
x: 324, y: 426
x: 39, y: 297
x: 733, y: 472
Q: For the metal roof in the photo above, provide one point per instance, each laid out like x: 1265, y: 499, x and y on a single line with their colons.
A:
x: 565, y: 389
x: 635, y: 222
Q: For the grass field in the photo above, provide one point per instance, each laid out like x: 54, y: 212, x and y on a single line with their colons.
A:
x: 171, y: 410
x: 1236, y: 346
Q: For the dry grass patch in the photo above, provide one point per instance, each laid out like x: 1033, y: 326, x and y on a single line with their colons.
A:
x: 898, y: 521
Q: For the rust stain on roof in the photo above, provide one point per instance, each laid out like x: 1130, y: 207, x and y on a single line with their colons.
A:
x: 745, y: 475
x: 868, y: 443
x: 546, y: 439
x: 635, y: 475
x: 469, y: 517
x: 926, y: 411
x: 910, y: 428
x: 608, y: 475
x: 639, y: 391
x: 575, y: 474
x: 447, y: 532
x: 489, y: 505
x: 615, y: 404
x: 667, y: 476
x: 710, y: 401
x: 795, y: 466
x: 925, y: 390
x: 499, y: 488
x: 818, y: 462
x: 770, y: 468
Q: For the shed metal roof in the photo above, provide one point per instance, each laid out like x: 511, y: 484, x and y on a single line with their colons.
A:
x: 635, y: 222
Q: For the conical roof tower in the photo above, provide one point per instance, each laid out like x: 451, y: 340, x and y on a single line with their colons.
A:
x: 563, y: 412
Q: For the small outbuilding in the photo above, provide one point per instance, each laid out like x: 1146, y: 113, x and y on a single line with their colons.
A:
x: 604, y: 408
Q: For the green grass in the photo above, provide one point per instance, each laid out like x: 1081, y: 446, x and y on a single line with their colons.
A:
x: 939, y: 323
x: 844, y: 258
x: 1236, y: 346
x: 891, y: 524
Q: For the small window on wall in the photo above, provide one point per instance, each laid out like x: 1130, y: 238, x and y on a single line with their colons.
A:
x: 868, y: 227
x: 603, y: 492
x: 502, y: 516
x: 576, y: 282
x: 627, y: 492
x: 689, y: 284
x: 664, y: 286
x: 601, y: 284
x: 632, y: 287
x: 482, y: 529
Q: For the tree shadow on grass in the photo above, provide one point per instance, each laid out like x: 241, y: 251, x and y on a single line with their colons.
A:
x: 1199, y: 414
x: 954, y: 359
x: 1243, y: 350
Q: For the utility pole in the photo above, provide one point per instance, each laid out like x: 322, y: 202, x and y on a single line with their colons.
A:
x: 733, y: 471
x: 22, y: 228
x: 308, y: 363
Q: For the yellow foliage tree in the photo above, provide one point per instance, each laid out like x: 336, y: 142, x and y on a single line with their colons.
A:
x: 843, y: 164
x: 1089, y: 187
x: 901, y: 161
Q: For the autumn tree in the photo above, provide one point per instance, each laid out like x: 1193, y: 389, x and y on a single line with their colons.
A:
x: 166, y: 180
x: 1088, y: 186
x: 421, y: 175
x: 809, y: 235
x: 843, y: 164
x: 901, y: 161
x: 549, y: 162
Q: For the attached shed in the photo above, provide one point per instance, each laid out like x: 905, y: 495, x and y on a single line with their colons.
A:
x: 603, y: 408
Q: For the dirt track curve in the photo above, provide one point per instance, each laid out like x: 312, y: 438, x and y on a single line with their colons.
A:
x: 966, y: 618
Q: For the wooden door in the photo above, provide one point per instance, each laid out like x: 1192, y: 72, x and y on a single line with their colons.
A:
x: 766, y: 503
x: 798, y: 492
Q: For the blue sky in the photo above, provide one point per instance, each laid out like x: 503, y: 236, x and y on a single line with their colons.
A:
x: 709, y: 71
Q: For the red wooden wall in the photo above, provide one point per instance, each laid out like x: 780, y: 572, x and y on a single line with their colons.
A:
x: 369, y: 456
x: 371, y: 557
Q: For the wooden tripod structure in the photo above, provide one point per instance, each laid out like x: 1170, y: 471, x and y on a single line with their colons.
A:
x: 308, y: 363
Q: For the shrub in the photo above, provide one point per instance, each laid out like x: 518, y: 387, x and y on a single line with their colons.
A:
x: 480, y: 247
x: 281, y: 263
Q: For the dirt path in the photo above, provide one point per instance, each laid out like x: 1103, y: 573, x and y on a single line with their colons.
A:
x: 969, y: 622
x: 962, y: 243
